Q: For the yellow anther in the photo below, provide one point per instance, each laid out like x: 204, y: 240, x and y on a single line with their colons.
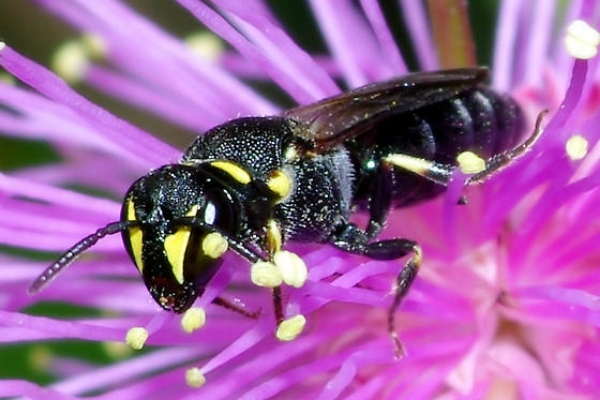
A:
x: 194, y: 378
x: 290, y: 328
x: 71, y: 61
x: 206, y: 44
x: 577, y: 147
x: 193, y: 319
x: 214, y: 245
x: 292, y: 267
x: 266, y: 274
x: 136, y: 337
x: 582, y: 40
x: 470, y: 163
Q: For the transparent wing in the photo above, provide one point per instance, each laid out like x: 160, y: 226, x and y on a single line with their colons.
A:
x: 352, y: 113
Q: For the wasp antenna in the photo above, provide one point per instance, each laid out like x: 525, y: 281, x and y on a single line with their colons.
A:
x: 502, y: 160
x: 70, y: 255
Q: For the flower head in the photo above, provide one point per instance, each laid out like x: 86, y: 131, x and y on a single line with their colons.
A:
x: 507, y: 300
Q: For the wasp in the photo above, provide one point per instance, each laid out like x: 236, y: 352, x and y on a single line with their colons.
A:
x: 255, y: 183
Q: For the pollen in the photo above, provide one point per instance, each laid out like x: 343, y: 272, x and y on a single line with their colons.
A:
x: 2, y: 45
x: 582, y: 40
x: 194, y: 378
x: 6, y: 78
x: 95, y: 45
x: 290, y: 328
x: 136, y: 337
x: 577, y: 147
x: 71, y: 61
x: 41, y: 358
x: 193, y: 319
x: 205, y: 44
x: 470, y: 163
x: 214, y: 245
x: 265, y: 274
x: 117, y: 350
x: 292, y: 267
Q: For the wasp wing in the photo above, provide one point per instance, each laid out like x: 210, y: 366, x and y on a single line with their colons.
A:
x: 350, y: 114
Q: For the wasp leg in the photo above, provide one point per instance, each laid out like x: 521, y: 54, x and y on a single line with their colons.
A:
x: 277, y: 304
x: 380, y: 201
x: 431, y: 170
x: 353, y: 240
x: 404, y: 281
x: 442, y: 173
x: 502, y: 160
x: 236, y: 307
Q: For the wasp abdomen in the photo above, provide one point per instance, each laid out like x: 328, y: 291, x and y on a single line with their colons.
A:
x: 478, y: 120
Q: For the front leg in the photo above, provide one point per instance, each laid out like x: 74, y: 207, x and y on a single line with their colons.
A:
x: 352, y: 239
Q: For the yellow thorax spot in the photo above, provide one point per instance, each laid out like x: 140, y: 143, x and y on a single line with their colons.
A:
x: 135, y: 237
x: 280, y: 183
x: 238, y: 173
x: 176, y: 246
x: 214, y: 245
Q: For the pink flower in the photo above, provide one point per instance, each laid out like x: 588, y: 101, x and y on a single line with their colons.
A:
x: 507, y: 301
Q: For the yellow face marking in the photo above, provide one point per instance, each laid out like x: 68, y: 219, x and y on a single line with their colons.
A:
x: 135, y: 237
x: 214, y: 245
x: 274, y: 239
x: 280, y: 183
x: 238, y: 173
x: 176, y: 246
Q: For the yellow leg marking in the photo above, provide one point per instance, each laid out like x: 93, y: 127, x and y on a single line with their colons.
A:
x: 417, y: 165
x: 238, y: 173
x: 274, y: 238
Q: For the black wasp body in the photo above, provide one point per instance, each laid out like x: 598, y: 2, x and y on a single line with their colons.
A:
x: 252, y: 184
